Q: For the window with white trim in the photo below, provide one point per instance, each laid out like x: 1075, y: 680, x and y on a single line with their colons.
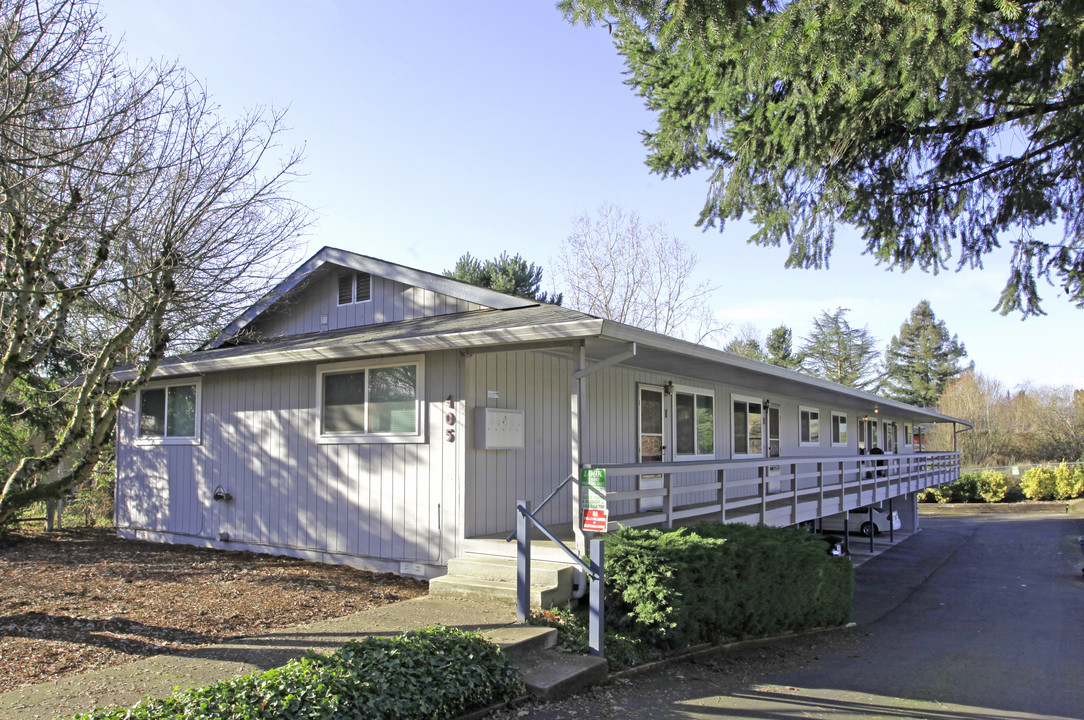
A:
x: 169, y: 413
x: 839, y: 429
x: 694, y: 424
x: 890, y: 445
x: 809, y: 427
x: 371, y: 401
x: 355, y: 287
x: 746, y: 416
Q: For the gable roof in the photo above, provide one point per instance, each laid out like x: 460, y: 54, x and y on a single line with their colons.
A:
x: 380, y: 268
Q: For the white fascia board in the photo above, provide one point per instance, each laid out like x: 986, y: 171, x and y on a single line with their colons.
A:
x: 347, y: 349
x: 645, y: 338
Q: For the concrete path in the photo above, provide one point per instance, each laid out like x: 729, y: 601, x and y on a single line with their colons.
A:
x: 157, y: 676
x: 975, y: 618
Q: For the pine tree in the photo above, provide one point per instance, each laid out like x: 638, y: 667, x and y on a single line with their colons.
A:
x: 512, y: 275
x: 922, y: 359
x: 838, y: 352
x: 779, y: 349
x: 935, y: 127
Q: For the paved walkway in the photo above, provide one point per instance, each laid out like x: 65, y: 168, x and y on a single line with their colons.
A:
x: 157, y: 676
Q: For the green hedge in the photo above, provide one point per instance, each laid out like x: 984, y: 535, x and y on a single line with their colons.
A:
x: 684, y: 587
x: 1046, y: 482
x: 436, y: 672
x: 988, y: 486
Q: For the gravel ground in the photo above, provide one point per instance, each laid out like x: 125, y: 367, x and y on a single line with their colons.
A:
x: 78, y: 600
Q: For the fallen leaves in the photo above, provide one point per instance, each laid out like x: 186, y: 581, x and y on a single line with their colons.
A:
x: 77, y: 600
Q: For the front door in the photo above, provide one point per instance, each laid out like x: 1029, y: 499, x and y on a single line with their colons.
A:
x: 651, y: 417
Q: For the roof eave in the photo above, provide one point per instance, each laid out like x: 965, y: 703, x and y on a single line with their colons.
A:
x: 626, y: 333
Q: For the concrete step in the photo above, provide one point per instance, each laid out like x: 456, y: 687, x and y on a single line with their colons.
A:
x: 492, y: 568
x: 517, y: 641
x: 552, y: 674
x: 482, y: 589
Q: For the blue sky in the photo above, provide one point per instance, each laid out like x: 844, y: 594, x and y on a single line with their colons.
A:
x: 485, y: 126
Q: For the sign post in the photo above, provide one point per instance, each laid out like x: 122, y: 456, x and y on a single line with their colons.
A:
x: 593, y: 499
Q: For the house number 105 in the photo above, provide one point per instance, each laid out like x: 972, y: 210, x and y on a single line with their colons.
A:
x: 449, y: 419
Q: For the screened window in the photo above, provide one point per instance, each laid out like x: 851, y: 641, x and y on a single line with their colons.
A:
x: 354, y: 288
x: 169, y: 413
x: 362, y: 402
x: 809, y: 427
x: 839, y: 429
x: 694, y: 424
x: 748, y: 427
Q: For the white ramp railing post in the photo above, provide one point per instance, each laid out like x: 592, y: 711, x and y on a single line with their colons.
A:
x: 596, y: 627
x: 523, y: 560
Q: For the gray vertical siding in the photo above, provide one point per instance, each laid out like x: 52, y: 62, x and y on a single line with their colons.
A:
x: 537, y: 383
x: 391, y: 301
x: 385, y: 501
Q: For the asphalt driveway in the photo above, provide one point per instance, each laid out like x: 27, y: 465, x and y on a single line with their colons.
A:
x: 975, y: 618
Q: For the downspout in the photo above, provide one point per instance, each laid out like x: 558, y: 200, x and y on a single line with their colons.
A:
x: 579, y: 408
x: 578, y: 397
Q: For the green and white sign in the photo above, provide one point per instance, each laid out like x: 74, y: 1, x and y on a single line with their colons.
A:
x: 593, y: 489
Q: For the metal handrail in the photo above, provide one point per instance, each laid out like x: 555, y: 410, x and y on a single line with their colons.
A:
x: 560, y: 543
x: 556, y: 490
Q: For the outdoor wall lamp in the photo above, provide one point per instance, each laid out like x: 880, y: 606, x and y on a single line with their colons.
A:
x: 669, y: 388
x: 221, y: 495
x: 767, y: 402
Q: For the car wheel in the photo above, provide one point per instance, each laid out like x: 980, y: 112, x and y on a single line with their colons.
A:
x: 866, y: 529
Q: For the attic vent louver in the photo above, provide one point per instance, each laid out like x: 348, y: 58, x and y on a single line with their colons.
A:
x: 346, y: 289
x: 354, y: 288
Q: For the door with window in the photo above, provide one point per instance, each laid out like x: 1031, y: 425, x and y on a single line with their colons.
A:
x: 651, y: 421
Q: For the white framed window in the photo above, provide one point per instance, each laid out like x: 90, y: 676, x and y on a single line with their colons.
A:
x: 355, y: 287
x: 168, y: 413
x: 746, y: 419
x: 908, y: 438
x: 809, y: 427
x: 372, y: 401
x: 890, y: 444
x: 694, y: 424
x: 839, y: 429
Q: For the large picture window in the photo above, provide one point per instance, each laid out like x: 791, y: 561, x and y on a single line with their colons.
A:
x: 371, y: 401
x: 809, y: 427
x: 169, y: 413
x: 746, y: 419
x: 694, y: 424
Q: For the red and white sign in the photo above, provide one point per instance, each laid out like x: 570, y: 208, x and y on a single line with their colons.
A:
x: 595, y: 520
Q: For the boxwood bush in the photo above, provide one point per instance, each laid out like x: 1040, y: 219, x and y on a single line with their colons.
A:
x: 1046, y: 482
x: 985, y: 486
x: 435, y: 672
x: 688, y: 586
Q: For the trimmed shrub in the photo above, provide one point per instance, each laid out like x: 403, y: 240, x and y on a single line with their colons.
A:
x: 683, y: 587
x: 1068, y: 481
x: 436, y: 672
x: 992, y: 486
x: 1039, y: 483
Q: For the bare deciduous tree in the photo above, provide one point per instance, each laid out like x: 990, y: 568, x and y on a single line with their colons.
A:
x: 132, y: 218
x: 615, y: 267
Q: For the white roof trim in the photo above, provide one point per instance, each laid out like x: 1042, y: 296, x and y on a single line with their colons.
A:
x: 350, y: 348
x: 381, y: 268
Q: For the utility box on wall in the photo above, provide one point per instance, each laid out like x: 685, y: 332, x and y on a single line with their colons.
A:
x: 498, y: 429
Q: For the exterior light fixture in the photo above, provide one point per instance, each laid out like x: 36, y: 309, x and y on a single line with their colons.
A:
x: 669, y: 389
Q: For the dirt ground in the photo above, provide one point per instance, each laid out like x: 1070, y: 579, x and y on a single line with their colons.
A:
x: 78, y: 600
